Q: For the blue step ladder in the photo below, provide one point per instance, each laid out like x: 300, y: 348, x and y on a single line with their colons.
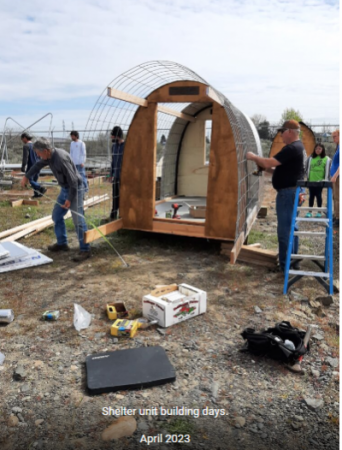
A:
x: 324, y: 262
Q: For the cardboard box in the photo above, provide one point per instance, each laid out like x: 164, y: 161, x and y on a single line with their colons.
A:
x: 197, y: 212
x: 174, y: 304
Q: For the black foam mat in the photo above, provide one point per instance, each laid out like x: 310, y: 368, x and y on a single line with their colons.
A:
x: 134, y: 368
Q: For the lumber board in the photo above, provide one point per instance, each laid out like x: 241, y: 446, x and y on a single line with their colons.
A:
x: 173, y: 112
x: 103, y: 230
x: 222, y: 197
x: 179, y: 221
x: 31, y: 227
x: 137, y: 191
x: 174, y: 227
x: 120, y: 95
x: 16, y: 203
x: 237, y: 247
x: 20, y: 202
x: 96, y: 180
x: 164, y: 290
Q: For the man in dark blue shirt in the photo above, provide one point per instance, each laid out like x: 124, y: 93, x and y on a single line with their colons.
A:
x: 29, y: 159
x: 117, y: 156
x: 335, y: 178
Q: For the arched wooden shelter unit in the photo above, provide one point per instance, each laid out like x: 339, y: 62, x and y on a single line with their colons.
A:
x: 307, y: 137
x: 166, y: 102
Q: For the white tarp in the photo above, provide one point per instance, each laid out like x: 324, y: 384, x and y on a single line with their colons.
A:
x: 20, y: 257
x: 3, y: 253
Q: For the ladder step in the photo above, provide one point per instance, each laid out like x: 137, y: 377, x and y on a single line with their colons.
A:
x: 304, y: 219
x: 309, y: 233
x: 307, y: 208
x: 311, y: 257
x: 309, y: 274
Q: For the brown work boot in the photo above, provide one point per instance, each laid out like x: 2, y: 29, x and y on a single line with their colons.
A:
x: 58, y: 248
x: 82, y: 256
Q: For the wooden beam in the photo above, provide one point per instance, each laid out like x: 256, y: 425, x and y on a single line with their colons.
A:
x: 16, y: 203
x: 237, y: 247
x: 173, y: 112
x: 212, y: 94
x: 31, y: 202
x: 103, y: 230
x: 178, y: 228
x: 120, y: 95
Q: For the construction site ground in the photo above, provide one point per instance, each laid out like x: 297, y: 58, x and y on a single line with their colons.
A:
x: 265, y: 405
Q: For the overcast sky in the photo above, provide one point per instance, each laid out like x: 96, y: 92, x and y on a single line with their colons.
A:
x: 263, y: 55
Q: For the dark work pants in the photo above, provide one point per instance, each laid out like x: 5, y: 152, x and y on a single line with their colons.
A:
x: 315, y: 192
x: 116, y: 198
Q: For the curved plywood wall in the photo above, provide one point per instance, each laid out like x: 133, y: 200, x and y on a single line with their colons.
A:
x: 192, y: 168
x: 307, y: 137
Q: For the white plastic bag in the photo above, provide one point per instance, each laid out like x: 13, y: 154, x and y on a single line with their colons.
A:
x: 2, y: 358
x: 82, y: 318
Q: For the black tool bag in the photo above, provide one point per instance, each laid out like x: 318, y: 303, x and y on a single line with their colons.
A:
x: 270, y: 342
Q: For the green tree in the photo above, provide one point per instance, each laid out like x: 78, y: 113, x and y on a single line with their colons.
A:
x: 291, y: 114
x: 264, y: 130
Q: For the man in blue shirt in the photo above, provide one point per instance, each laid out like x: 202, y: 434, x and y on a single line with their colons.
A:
x: 29, y: 159
x: 335, y: 178
x: 117, y: 156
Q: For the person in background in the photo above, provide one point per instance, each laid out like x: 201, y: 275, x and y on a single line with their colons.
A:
x: 29, y: 160
x: 117, y: 156
x: 70, y: 196
x: 335, y: 178
x: 317, y: 169
x: 78, y: 155
x: 287, y: 168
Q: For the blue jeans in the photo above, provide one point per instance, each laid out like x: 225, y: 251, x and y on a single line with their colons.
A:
x: 33, y: 182
x: 58, y: 214
x: 284, y: 207
x: 81, y: 171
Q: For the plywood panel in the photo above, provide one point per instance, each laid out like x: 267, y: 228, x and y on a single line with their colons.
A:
x: 162, y: 94
x: 307, y: 137
x: 192, y: 171
x: 137, y: 190
x: 222, y: 198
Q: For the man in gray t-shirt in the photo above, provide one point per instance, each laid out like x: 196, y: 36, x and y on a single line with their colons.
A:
x: 70, y: 197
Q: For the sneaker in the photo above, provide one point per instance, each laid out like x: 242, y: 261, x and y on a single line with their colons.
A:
x: 318, y: 215
x: 58, y: 248
x: 42, y: 190
x: 308, y: 215
x: 82, y: 256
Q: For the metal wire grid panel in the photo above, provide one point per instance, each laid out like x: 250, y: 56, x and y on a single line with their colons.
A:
x: 143, y: 80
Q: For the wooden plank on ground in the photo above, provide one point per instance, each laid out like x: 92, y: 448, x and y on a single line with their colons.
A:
x: 237, y: 247
x: 31, y: 202
x: 103, y: 230
x: 16, y: 203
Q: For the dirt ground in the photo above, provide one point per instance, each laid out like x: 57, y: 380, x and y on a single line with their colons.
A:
x: 264, y: 404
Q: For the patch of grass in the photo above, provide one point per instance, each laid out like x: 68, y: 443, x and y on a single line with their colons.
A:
x: 180, y: 426
x: 4, y: 204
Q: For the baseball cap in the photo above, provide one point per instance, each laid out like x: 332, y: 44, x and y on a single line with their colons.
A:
x: 290, y: 125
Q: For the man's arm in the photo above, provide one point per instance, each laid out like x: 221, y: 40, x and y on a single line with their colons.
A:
x: 83, y: 154
x: 264, y: 163
x: 25, y: 157
x: 336, y: 174
x: 36, y: 168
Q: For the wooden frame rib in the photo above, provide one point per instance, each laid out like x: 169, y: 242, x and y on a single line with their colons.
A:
x: 120, y: 95
x: 96, y: 233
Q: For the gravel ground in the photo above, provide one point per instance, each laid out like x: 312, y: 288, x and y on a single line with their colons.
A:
x: 44, y: 400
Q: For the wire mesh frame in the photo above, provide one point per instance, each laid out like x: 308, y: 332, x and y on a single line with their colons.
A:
x: 141, y: 81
